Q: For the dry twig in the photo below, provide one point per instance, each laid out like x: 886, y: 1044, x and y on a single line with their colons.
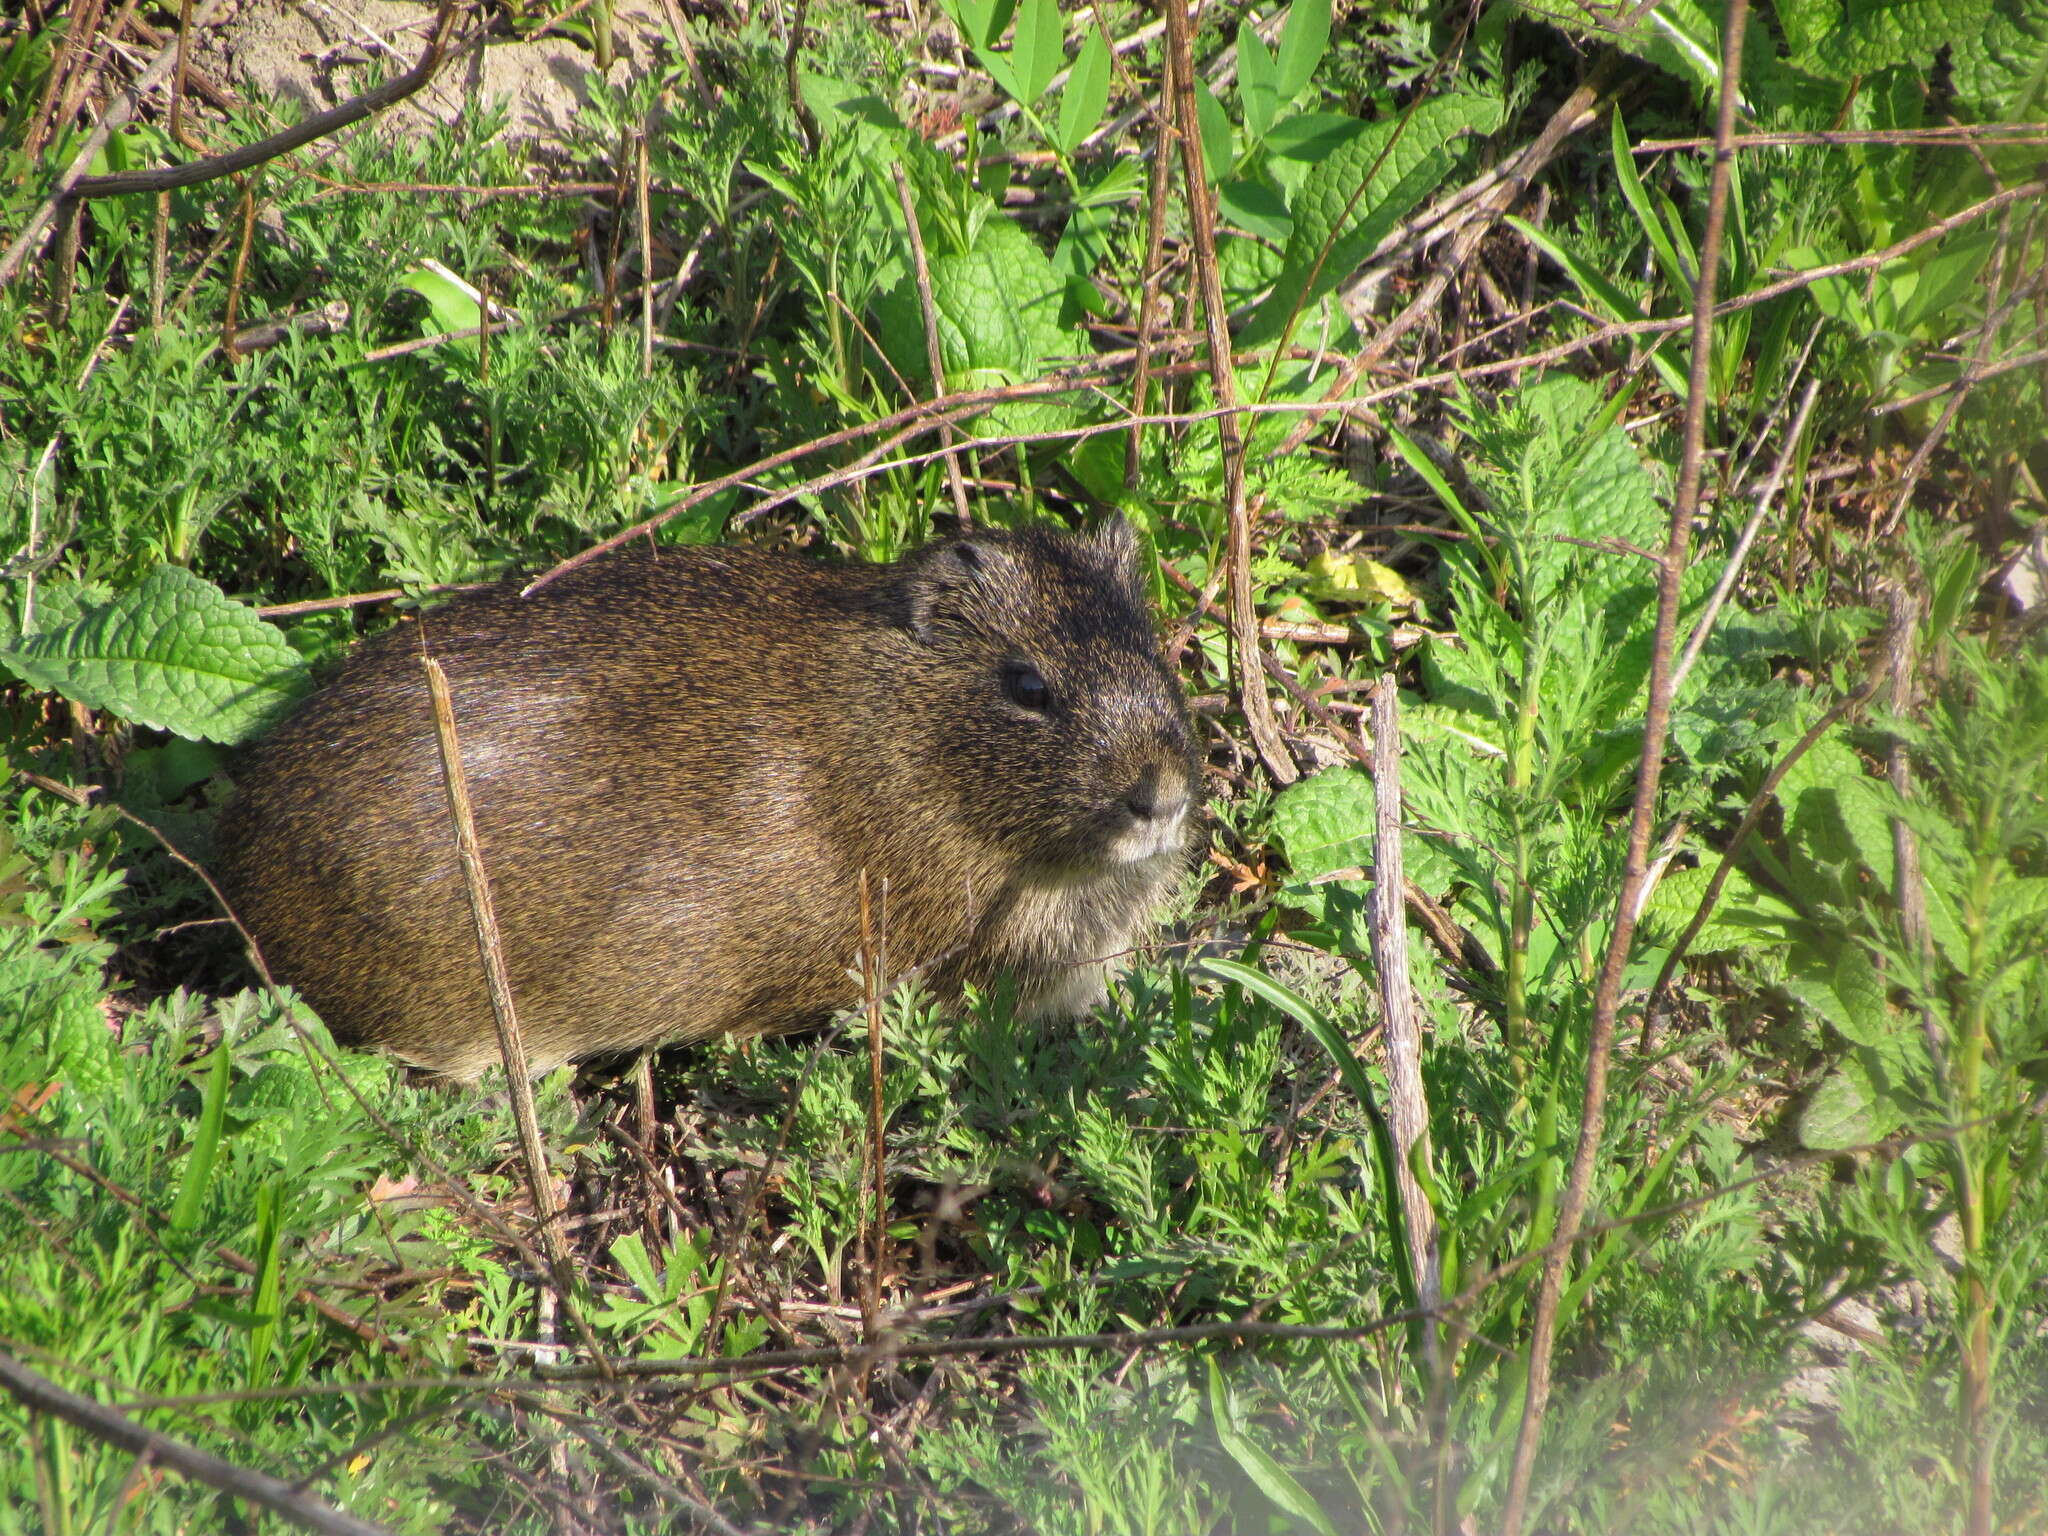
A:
x: 1642, y: 816
x: 1244, y: 622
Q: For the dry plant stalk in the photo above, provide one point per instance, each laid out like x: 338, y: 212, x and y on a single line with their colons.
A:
x: 1155, y: 266
x: 873, y: 968
x: 1244, y: 620
x: 40, y: 1395
x: 1407, y: 1099
x: 1657, y: 717
x: 504, y: 1013
x: 646, y: 259
x: 935, y: 356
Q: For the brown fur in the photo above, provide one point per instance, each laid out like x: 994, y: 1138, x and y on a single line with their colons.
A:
x: 682, y: 760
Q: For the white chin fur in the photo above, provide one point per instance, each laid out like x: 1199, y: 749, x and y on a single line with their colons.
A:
x: 1143, y: 844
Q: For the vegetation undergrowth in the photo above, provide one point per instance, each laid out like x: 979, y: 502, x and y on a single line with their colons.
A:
x: 1810, y: 1292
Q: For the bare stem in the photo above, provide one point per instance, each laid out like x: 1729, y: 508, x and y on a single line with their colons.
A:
x: 1250, y: 681
x: 1635, y: 870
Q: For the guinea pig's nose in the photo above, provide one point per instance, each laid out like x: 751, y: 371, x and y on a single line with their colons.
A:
x: 1150, y: 800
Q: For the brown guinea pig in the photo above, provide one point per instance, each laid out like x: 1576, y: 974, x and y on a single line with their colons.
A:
x: 682, y: 760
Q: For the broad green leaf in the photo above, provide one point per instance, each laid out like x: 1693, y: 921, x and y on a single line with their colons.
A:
x: 1271, y: 1479
x: 1355, y: 196
x: 2001, y: 74
x: 1852, y: 999
x: 175, y: 654
x: 1947, y: 276
x: 1258, y: 83
x: 1086, y: 93
x: 1846, y: 1110
x: 47, y: 605
x: 1217, y: 150
x: 982, y: 22
x: 999, y: 323
x: 455, y: 305
x: 1678, y: 896
x: 1254, y: 206
x: 1325, y: 823
x: 1038, y: 49
x: 1841, y: 39
x: 1303, y: 38
x: 1313, y: 137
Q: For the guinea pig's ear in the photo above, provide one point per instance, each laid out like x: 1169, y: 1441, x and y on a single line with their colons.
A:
x: 942, y: 574
x: 1116, y: 538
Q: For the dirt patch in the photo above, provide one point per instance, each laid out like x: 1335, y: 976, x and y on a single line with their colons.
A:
x: 316, y: 53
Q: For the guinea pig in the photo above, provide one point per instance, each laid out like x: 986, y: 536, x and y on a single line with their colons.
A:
x: 683, y: 759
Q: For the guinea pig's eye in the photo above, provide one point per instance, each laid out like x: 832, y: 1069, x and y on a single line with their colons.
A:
x: 1023, y: 687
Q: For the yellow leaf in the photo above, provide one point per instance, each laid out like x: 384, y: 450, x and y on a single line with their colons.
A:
x: 1359, y: 580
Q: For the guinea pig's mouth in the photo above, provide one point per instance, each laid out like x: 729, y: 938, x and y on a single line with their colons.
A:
x: 1142, y: 839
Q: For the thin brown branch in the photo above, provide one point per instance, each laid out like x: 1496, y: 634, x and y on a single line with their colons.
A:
x: 1407, y: 1097
x: 1947, y: 133
x: 1577, y: 110
x: 116, y: 115
x: 646, y: 256
x: 1642, y: 818
x: 1149, y: 299
x: 247, y: 156
x: 361, y: 599
x: 328, y: 320
x: 1759, y: 803
x: 41, y: 1395
x: 874, y: 964
x: 1766, y: 495
x: 1909, y: 478
x: 934, y: 353
x: 908, y: 422
x: 1250, y: 679
x: 504, y: 1011
x: 1969, y: 379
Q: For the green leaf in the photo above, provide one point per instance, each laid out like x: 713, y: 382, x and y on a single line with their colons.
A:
x: 1852, y: 999
x: 1254, y: 206
x: 1679, y: 36
x: 57, y: 605
x: 1217, y: 152
x: 1038, y: 49
x: 982, y: 22
x: 1678, y: 270
x: 205, y: 1143
x: 1325, y: 823
x: 1312, y: 137
x: 1604, y: 294
x: 1258, y: 84
x: 2001, y: 74
x: 1947, y: 275
x: 1303, y: 38
x: 1086, y: 93
x: 1322, y: 1029
x: 1356, y: 195
x: 999, y: 323
x: 1271, y: 1479
x: 175, y: 654
x: 455, y: 305
x: 1841, y: 39
x: 1846, y: 1110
